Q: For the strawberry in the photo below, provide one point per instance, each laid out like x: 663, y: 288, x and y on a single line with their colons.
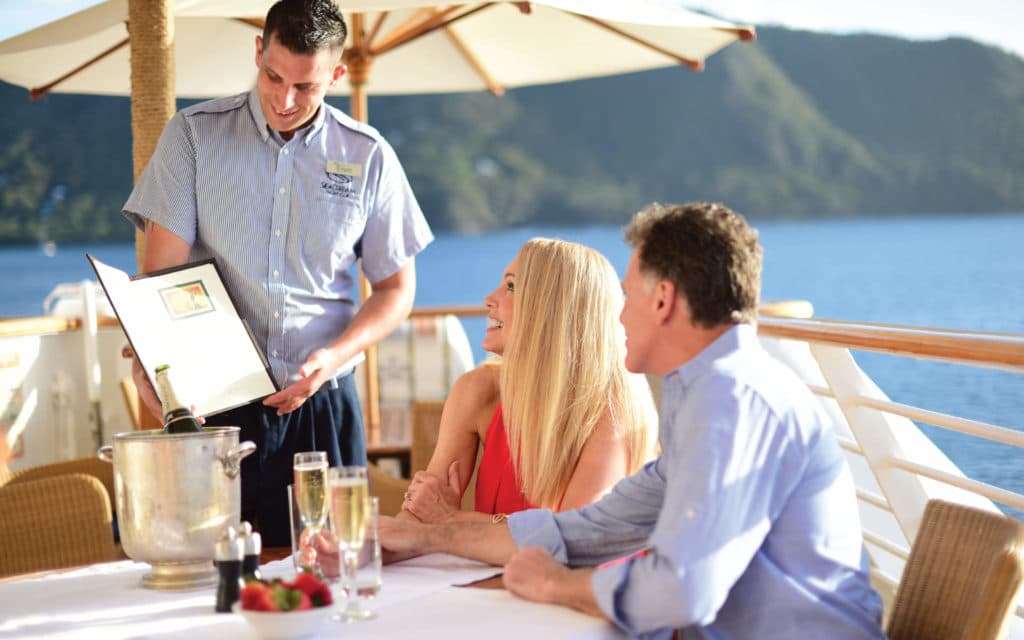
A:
x: 257, y: 596
x: 307, y: 583
x: 305, y: 592
x: 317, y: 590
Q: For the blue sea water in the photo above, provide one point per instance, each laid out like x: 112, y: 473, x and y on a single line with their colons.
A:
x: 957, y: 272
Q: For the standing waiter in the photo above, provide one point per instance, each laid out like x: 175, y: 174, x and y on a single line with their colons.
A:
x: 286, y: 192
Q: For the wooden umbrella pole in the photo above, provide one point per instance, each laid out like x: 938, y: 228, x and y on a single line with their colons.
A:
x: 358, y: 61
x: 151, y: 43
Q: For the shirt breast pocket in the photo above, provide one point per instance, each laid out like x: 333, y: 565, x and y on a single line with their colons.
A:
x: 335, y: 226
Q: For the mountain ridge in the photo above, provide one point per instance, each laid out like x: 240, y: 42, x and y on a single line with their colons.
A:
x: 796, y: 124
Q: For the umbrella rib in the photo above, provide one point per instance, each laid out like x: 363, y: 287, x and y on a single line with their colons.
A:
x: 259, y: 23
x: 409, y: 23
x: 39, y: 92
x: 693, y: 65
x: 474, y: 61
x: 376, y: 28
x: 438, y: 20
x: 745, y: 34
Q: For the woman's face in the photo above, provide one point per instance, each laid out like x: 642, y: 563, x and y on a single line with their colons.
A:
x: 500, y: 311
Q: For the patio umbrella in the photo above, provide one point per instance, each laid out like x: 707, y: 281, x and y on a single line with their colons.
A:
x: 415, y: 46
x: 395, y: 47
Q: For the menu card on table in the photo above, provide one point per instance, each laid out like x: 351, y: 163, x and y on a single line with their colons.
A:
x: 184, y: 317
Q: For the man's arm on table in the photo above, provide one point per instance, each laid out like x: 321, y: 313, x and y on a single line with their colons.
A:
x: 386, y: 307
x: 534, y: 575
x: 487, y: 542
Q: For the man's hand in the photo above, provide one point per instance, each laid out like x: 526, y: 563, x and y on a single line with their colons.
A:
x: 532, y: 574
x: 403, y: 535
x: 320, y: 367
x: 430, y: 499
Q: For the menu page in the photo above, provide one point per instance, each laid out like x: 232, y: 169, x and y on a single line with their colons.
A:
x: 184, y: 317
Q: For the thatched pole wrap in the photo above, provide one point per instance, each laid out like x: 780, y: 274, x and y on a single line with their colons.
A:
x: 151, y: 38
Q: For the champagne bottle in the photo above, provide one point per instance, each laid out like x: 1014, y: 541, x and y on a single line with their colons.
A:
x: 178, y: 418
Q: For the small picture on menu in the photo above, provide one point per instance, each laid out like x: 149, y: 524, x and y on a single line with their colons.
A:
x: 186, y: 300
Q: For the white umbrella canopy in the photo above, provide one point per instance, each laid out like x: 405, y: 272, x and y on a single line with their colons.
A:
x: 394, y: 47
x: 461, y: 47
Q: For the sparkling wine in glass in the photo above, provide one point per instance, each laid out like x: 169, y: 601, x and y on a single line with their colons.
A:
x: 310, y: 469
x: 350, y: 509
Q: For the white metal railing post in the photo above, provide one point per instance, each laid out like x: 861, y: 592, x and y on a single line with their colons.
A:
x: 884, y: 437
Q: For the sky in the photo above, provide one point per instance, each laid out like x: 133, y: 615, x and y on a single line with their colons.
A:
x: 994, y: 22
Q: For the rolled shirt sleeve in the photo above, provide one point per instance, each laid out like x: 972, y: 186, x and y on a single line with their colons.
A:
x: 166, y: 191
x: 396, y: 229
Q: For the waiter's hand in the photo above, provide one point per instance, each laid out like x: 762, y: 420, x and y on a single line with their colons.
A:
x: 320, y: 367
x: 148, y: 395
x: 145, y: 389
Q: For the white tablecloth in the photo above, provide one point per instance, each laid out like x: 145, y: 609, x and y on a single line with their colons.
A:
x: 418, y: 601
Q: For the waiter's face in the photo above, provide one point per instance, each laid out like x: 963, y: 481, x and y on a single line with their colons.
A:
x: 292, y: 86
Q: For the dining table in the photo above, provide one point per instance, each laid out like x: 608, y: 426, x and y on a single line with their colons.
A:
x: 432, y: 596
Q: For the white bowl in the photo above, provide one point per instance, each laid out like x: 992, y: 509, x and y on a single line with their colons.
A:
x: 285, y: 625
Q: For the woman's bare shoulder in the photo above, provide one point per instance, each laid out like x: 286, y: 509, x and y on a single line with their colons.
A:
x: 479, y: 386
x: 475, y: 395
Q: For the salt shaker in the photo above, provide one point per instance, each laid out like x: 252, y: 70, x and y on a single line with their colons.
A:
x: 252, y: 544
x: 228, y: 554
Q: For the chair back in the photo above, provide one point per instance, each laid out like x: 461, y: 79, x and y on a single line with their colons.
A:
x: 962, y: 577
x: 426, y: 424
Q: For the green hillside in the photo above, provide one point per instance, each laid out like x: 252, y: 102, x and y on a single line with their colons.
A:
x: 795, y: 125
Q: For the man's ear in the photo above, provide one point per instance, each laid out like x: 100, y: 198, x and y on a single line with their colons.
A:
x: 259, y: 51
x: 664, y: 300
x: 339, y: 70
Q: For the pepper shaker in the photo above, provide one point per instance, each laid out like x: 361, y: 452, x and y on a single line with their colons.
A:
x: 228, y: 554
x: 252, y: 544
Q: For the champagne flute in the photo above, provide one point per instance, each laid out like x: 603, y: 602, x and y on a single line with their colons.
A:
x: 350, y: 508
x: 310, y: 468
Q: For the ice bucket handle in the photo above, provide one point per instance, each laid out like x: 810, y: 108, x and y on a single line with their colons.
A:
x: 106, y: 453
x: 233, y: 457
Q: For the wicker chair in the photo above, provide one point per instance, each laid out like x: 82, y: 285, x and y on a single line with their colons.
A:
x: 426, y: 423
x: 962, y: 577
x: 56, y: 515
x: 389, y: 490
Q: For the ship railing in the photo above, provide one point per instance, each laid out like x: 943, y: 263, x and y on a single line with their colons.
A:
x: 897, y: 468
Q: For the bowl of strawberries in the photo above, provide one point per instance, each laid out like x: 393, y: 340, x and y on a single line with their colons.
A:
x: 280, y: 610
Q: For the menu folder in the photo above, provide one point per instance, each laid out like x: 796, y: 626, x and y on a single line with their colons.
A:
x: 184, y: 317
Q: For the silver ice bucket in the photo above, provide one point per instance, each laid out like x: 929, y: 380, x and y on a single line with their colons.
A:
x: 175, y: 496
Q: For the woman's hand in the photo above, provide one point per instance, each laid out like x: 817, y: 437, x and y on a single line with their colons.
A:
x: 323, y: 547
x: 430, y: 499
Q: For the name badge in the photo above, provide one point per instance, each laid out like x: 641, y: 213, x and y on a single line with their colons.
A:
x: 344, y: 168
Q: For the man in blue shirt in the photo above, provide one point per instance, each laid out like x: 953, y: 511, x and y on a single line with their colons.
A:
x: 286, y: 192
x: 746, y: 526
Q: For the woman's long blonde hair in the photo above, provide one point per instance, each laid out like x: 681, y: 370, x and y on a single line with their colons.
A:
x: 564, y: 368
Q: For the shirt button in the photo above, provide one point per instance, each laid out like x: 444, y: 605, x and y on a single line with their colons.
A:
x: 275, y: 273
x: 274, y: 353
x: 284, y: 151
x: 277, y: 232
x: 277, y: 315
x: 281, y: 190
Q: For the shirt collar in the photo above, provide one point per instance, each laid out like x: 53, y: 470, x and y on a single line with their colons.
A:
x: 264, y: 129
x: 257, y: 115
x: 736, y: 338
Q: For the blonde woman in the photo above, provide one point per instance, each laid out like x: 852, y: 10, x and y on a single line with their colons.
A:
x: 560, y: 396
